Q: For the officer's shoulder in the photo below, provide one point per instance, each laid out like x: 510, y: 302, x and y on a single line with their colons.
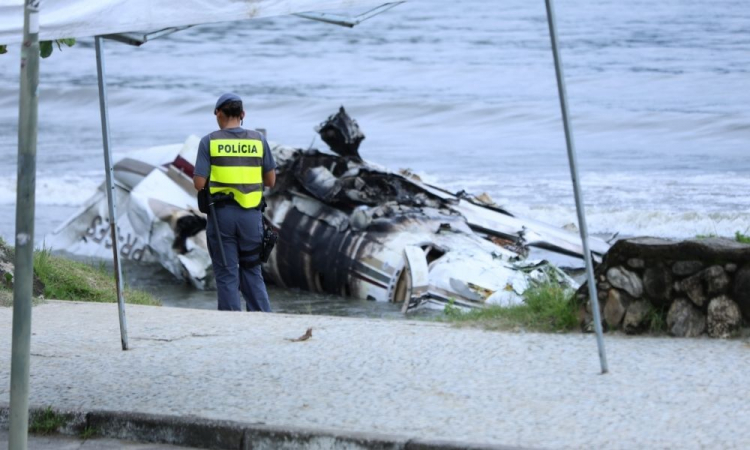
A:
x: 254, y: 134
x: 205, y: 140
x: 211, y: 135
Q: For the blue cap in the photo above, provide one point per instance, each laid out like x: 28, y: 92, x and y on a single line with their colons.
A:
x: 228, y: 97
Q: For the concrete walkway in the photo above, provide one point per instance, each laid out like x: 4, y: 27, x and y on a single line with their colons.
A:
x: 405, y: 384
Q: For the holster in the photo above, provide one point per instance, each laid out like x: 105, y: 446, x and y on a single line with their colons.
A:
x: 204, y: 198
x: 269, y: 241
x: 266, y: 245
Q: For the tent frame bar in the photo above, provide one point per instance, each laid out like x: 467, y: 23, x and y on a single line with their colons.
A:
x: 138, y: 39
x: 111, y: 194
x: 345, y: 21
x: 572, y: 160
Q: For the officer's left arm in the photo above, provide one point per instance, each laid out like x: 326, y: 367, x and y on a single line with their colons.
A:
x: 269, y: 166
x: 202, y: 165
x: 269, y: 178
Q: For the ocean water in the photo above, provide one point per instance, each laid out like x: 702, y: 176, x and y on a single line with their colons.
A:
x: 463, y: 93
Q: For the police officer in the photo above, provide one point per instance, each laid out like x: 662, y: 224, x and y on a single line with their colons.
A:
x: 237, y: 164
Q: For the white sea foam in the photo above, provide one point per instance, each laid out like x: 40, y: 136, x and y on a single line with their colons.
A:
x: 643, y: 222
x: 53, y: 191
x: 656, y: 204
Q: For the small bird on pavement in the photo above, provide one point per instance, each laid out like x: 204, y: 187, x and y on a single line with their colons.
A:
x: 304, y: 337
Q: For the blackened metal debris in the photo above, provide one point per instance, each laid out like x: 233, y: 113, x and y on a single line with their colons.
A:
x: 342, y: 134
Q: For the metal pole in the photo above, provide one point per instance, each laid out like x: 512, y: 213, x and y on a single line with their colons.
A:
x: 576, y: 187
x: 23, y: 276
x: 110, y: 188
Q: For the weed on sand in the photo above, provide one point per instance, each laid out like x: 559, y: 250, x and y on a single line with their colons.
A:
x: 88, y: 433
x: 46, y: 422
x: 547, y: 307
x: 741, y: 237
x: 71, y: 280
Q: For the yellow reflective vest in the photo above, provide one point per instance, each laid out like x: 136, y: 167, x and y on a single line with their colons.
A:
x: 237, y: 166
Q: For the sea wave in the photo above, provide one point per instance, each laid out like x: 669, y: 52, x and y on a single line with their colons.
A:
x: 53, y: 191
x: 642, y: 222
x: 631, y: 204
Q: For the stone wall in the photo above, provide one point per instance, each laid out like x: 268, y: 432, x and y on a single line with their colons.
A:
x: 689, y: 287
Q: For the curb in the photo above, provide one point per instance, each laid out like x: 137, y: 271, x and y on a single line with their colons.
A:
x: 192, y: 431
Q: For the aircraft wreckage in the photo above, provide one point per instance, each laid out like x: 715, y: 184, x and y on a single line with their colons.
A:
x: 345, y: 226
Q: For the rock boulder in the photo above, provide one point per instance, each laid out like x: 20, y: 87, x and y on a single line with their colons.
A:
x: 717, y: 280
x: 741, y: 289
x: 724, y: 317
x: 614, y: 309
x: 657, y: 283
x: 692, y: 286
x: 649, y: 248
x: 686, y: 268
x: 685, y: 320
x: 626, y: 280
x: 635, y: 317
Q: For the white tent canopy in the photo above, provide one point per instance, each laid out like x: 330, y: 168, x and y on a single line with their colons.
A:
x: 59, y: 19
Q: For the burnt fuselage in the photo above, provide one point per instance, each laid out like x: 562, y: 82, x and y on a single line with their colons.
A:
x: 343, y: 226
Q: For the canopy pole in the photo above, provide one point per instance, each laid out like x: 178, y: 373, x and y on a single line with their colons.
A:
x: 576, y: 187
x: 23, y: 276
x: 103, y: 109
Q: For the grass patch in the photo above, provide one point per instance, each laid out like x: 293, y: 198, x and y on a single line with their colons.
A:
x: 656, y: 320
x: 71, y: 280
x: 741, y: 237
x: 46, y: 422
x: 88, y: 433
x: 547, y: 307
x: 64, y: 279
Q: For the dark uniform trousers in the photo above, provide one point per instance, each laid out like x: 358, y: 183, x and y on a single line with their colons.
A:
x: 241, y: 233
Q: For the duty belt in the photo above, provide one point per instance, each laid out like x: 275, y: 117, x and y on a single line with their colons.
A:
x: 229, y: 200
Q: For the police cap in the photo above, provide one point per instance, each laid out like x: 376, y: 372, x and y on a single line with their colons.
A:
x: 228, y: 97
